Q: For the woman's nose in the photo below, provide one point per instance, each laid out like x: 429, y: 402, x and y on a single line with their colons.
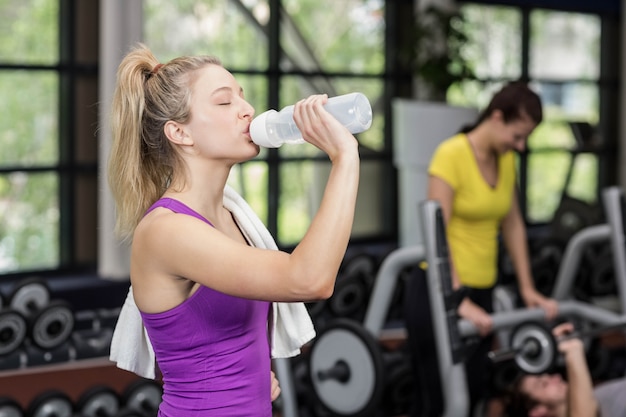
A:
x: 247, y: 110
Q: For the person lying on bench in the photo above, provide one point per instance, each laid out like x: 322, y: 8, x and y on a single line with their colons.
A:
x: 550, y: 395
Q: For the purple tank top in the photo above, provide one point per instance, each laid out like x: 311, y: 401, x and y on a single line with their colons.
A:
x: 212, y: 350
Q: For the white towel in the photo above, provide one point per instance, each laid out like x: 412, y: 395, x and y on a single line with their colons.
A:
x: 291, y: 324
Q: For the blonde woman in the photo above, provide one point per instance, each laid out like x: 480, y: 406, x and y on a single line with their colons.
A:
x: 203, y: 291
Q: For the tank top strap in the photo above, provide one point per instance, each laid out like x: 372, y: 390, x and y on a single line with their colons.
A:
x: 177, y: 207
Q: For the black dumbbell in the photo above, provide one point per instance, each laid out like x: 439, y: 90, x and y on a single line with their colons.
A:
x: 98, y: 401
x: 51, y: 403
x: 10, y: 408
x: 50, y: 322
x: 142, y: 397
x: 13, y: 330
x: 29, y: 295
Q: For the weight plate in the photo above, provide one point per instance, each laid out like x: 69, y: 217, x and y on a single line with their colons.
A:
x: 363, y: 266
x: 399, y: 386
x: 535, y: 348
x: 346, y: 369
x: 29, y: 295
x: 349, y: 296
x: 99, y: 401
x: 51, y: 404
x: 10, y: 408
x: 143, y: 396
x: 13, y: 330
x: 52, y: 325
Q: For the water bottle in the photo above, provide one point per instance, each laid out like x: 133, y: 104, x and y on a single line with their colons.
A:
x: 272, y: 129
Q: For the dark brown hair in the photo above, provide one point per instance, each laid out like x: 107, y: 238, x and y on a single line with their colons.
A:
x: 518, y: 403
x: 515, y: 100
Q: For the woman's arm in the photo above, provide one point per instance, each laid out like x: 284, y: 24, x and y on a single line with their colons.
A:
x: 516, y: 243
x: 580, y: 399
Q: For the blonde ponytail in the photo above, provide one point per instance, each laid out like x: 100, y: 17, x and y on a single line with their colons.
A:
x: 142, y: 160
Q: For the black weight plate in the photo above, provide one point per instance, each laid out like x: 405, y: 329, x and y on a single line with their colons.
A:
x: 98, y: 401
x: 10, y: 408
x: 349, y: 297
x: 52, y: 325
x: 29, y: 295
x: 143, y: 395
x: 51, y: 403
x: 13, y: 329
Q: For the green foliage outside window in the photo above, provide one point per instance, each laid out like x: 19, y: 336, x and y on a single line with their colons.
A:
x: 29, y: 138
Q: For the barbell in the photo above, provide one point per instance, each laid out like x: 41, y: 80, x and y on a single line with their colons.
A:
x: 534, y: 349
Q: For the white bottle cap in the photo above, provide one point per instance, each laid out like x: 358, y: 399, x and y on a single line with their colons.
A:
x: 258, y: 132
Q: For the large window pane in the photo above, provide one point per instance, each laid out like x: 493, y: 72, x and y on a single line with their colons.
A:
x: 29, y: 31
x: 29, y: 221
x: 28, y: 118
x: 233, y: 31
x: 547, y: 172
x: 567, y: 172
x: 472, y: 94
x: 554, y: 175
x: 494, y: 42
x: 333, y: 36
x: 564, y: 45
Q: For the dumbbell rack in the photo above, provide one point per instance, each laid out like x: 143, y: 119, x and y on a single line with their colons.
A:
x: 72, y: 378
x: 69, y: 355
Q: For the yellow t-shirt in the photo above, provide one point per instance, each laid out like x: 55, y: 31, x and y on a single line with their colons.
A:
x: 477, y: 209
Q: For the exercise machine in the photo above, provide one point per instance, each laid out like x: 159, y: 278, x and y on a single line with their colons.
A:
x: 346, y: 369
x: 450, y: 331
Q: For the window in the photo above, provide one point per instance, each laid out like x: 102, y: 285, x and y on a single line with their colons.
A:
x: 29, y: 136
x: 48, y: 171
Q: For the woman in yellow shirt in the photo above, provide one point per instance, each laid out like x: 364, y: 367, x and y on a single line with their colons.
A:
x: 472, y: 176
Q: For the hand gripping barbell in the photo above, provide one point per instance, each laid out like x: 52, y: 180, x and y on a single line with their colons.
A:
x: 533, y: 348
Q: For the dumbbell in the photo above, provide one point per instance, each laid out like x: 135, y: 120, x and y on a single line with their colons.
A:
x: 50, y: 322
x: 141, y: 398
x: 10, y: 408
x: 52, y: 403
x: 533, y: 348
x: 13, y: 330
x: 98, y: 401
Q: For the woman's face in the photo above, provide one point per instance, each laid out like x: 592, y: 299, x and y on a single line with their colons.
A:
x: 549, y: 391
x: 513, y: 136
x: 220, y: 116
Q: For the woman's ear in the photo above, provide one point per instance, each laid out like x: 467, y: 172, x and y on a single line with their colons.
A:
x: 177, y: 133
x: 497, y: 115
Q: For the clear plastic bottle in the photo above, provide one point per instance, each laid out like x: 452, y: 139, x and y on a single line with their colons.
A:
x: 272, y: 128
